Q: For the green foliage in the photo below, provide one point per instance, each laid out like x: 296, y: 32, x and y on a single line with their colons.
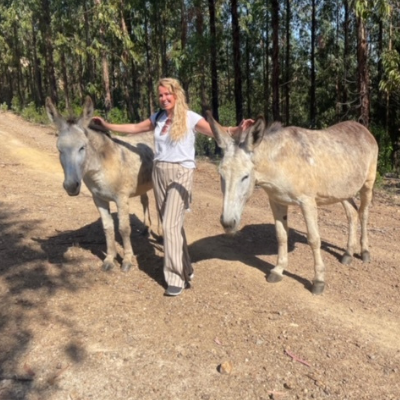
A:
x: 226, y: 114
x: 118, y: 116
x: 391, y: 65
x: 205, y: 146
x: 3, y: 107
x: 62, y: 48
x: 385, y: 150
x: 16, y: 105
x: 33, y: 114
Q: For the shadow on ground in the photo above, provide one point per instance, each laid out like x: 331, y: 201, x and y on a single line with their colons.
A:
x: 32, y: 271
x: 251, y: 242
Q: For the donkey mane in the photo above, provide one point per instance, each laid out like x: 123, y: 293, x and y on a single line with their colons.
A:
x: 99, y: 129
x: 71, y: 120
x: 275, y: 127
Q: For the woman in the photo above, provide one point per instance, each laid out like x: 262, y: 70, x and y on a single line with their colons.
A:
x: 174, y: 162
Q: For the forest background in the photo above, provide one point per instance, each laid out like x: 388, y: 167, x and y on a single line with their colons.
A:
x: 310, y: 63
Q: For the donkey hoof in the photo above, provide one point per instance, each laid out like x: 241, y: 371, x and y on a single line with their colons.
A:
x: 346, y: 259
x: 126, y: 266
x: 318, y: 287
x: 365, y: 256
x: 108, y: 265
x: 274, y: 277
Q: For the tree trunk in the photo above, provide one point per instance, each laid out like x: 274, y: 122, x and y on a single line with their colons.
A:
x: 337, y: 55
x: 202, y: 68
x: 104, y: 67
x: 65, y: 81
x: 184, y: 71
x: 89, y: 76
x: 150, y: 71
x: 313, y: 106
x: 128, y: 75
x: 45, y: 22
x: 236, y: 61
x: 248, y: 73
x: 266, y: 68
x: 38, y: 85
x: 345, y: 106
x: 213, y: 66
x: 17, y: 65
x: 363, y: 75
x: 275, y: 61
x: 163, y: 37
x: 287, y: 62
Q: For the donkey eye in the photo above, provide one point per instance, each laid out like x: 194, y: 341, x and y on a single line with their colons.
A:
x: 245, y: 177
x: 82, y: 148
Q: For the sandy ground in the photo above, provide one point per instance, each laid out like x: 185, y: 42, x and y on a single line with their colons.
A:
x: 70, y: 331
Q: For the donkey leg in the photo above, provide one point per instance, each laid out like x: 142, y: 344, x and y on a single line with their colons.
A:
x: 144, y: 199
x: 310, y: 213
x: 281, y: 228
x: 125, y: 231
x: 352, y: 217
x: 366, y: 198
x: 108, y: 227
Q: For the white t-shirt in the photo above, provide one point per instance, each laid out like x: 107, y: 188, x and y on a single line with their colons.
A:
x: 181, y: 152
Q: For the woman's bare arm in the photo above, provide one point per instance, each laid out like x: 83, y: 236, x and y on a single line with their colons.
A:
x: 125, y: 129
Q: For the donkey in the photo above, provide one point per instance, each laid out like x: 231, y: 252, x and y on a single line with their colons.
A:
x: 112, y: 169
x: 296, y: 166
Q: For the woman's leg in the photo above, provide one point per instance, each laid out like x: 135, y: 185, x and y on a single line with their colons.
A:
x: 172, y: 187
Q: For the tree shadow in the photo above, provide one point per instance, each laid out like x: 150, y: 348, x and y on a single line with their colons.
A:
x: 249, y: 243
x: 31, y: 275
x: 91, y: 238
x: 22, y: 276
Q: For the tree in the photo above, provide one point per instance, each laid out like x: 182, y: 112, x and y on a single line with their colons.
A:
x: 236, y: 61
x: 104, y: 59
x: 313, y: 105
x: 362, y: 59
x: 213, y: 60
x: 275, y: 61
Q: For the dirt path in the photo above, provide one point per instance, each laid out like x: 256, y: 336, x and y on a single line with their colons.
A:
x: 70, y: 331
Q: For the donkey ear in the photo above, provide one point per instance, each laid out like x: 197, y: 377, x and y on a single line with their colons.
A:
x: 54, y: 116
x: 87, y: 113
x: 221, y: 137
x: 255, y: 134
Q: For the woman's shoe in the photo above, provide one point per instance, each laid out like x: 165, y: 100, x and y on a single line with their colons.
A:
x: 173, y: 291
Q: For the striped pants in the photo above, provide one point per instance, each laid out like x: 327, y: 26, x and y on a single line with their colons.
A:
x: 172, y: 188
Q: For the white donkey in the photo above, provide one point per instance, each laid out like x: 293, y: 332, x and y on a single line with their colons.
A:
x: 300, y: 167
x: 112, y: 169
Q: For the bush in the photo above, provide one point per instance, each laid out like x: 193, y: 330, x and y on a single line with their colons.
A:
x: 385, y: 150
x: 205, y: 146
x: 32, y: 114
x: 16, y: 105
x: 118, y: 116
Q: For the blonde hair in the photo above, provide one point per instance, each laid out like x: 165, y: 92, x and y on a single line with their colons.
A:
x: 179, y: 120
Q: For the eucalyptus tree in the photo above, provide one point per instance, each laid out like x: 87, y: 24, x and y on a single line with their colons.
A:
x: 287, y: 61
x: 236, y: 45
x: 276, y: 114
x: 313, y: 105
x: 361, y: 8
x: 389, y: 83
x: 213, y: 59
x: 17, y: 64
